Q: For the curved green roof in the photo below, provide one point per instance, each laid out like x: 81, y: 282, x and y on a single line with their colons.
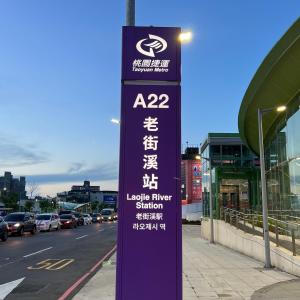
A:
x: 276, y: 82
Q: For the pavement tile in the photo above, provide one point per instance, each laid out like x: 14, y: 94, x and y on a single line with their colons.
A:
x: 210, y: 271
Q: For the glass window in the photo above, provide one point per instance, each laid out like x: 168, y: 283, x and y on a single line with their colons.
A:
x: 231, y: 150
x: 293, y: 136
x: 246, y: 151
x: 283, y: 168
x: 215, y: 150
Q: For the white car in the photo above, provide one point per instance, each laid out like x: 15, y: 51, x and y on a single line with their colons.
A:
x: 47, y: 222
x: 87, y: 219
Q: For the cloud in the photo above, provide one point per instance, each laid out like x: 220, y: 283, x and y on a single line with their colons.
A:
x: 12, y: 154
x: 76, y: 167
x: 108, y: 171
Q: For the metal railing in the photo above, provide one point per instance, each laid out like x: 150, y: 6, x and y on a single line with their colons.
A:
x: 284, y: 231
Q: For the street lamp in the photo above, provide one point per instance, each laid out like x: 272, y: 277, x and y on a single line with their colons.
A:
x: 260, y: 114
x: 115, y: 121
x: 185, y: 37
x: 212, y: 238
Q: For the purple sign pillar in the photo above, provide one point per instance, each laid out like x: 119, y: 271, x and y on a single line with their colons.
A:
x: 149, y: 253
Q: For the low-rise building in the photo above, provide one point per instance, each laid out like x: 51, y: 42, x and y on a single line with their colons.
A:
x: 234, y: 171
x: 87, y: 193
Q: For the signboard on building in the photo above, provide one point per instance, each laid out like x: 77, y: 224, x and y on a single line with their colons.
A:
x: 196, y: 181
x: 149, y: 236
x: 110, y: 199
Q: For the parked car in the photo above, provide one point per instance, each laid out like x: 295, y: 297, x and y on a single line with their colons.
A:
x: 46, y: 222
x: 96, y: 218
x: 3, y: 230
x: 68, y: 221
x: 20, y: 222
x: 87, y: 219
x: 80, y: 219
x: 108, y: 214
x: 65, y: 212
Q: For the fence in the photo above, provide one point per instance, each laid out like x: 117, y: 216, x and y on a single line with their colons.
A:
x: 284, y: 230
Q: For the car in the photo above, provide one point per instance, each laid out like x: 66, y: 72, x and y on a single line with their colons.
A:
x: 108, y: 214
x: 47, y: 221
x: 20, y: 222
x: 96, y: 218
x: 3, y: 230
x: 87, y: 219
x: 68, y: 221
x: 65, y: 212
x: 79, y: 217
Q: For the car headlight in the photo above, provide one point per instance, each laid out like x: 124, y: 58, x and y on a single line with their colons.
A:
x: 98, y: 218
x: 17, y: 225
x: 109, y: 218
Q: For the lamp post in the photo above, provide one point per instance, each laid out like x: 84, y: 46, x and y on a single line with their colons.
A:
x: 260, y: 114
x: 19, y: 200
x: 130, y: 12
x: 212, y: 238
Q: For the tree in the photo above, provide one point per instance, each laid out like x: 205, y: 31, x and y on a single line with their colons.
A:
x: 94, y: 205
x: 101, y: 206
x: 28, y: 205
x: 33, y: 189
x: 44, y: 205
x: 11, y: 201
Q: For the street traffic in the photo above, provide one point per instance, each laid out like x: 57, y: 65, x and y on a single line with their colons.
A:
x: 40, y: 259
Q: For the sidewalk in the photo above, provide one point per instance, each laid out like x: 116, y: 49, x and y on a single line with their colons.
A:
x: 209, y: 272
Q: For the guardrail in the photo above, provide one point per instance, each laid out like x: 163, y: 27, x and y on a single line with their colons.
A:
x: 282, y: 233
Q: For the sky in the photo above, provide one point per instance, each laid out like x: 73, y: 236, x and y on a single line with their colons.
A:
x: 60, y: 69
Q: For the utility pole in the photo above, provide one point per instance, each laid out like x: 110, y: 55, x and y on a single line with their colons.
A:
x: 130, y: 12
x: 264, y: 189
x: 211, y: 216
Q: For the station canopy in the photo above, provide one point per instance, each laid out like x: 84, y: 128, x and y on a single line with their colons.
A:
x: 276, y: 83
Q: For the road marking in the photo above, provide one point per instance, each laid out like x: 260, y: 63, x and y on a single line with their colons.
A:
x: 7, y: 288
x: 60, y: 264
x: 34, y: 253
x: 71, y: 289
x: 52, y: 264
x: 100, y: 230
x: 81, y: 237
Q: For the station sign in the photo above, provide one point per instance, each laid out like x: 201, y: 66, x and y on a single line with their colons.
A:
x: 151, y: 53
x: 149, y: 250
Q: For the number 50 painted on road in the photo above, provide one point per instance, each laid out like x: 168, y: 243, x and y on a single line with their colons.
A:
x: 52, y: 264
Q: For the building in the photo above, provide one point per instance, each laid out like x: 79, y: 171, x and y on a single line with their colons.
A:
x: 87, y: 193
x: 234, y: 172
x: 191, y: 180
x: 191, y: 176
x: 9, y: 184
x: 84, y: 193
x: 277, y: 83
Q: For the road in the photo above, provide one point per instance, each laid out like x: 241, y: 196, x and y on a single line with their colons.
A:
x: 51, y: 262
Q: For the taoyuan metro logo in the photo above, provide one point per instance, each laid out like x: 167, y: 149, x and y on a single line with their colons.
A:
x: 152, y: 45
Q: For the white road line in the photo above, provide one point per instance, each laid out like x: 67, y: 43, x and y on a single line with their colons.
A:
x: 81, y: 237
x: 34, y: 253
x: 100, y: 230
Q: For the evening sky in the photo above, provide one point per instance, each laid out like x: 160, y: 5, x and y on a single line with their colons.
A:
x: 60, y: 78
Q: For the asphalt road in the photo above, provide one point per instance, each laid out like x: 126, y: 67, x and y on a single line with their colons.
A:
x: 51, y: 262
